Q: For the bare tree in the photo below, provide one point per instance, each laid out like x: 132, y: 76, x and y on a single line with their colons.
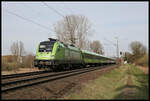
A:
x: 17, y: 50
x: 97, y: 47
x: 14, y: 49
x: 87, y: 45
x: 73, y: 29
x: 138, y: 50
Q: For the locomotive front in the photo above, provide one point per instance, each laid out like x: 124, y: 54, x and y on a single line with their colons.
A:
x: 44, y: 54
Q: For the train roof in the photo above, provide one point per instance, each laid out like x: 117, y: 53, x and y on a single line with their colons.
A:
x: 92, y: 53
x: 69, y: 46
x: 52, y: 39
x: 73, y: 48
x: 77, y: 49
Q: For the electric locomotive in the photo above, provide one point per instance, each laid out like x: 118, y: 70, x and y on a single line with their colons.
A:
x: 54, y: 53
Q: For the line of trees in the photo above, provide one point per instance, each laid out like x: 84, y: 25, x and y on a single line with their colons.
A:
x: 19, y: 58
x: 17, y: 50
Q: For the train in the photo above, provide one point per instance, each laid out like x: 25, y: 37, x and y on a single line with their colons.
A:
x: 56, y: 55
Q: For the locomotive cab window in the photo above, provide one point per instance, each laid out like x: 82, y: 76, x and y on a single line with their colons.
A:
x: 46, y: 46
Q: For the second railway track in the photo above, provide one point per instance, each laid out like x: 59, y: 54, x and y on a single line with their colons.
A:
x: 23, y: 74
x: 16, y: 84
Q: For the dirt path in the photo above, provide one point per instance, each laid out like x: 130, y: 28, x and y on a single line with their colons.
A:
x: 129, y: 90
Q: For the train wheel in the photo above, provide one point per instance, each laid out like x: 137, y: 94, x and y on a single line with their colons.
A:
x: 39, y: 68
x: 54, y: 69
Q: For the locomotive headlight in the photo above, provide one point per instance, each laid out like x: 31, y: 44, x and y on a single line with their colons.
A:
x: 36, y: 56
x: 52, y: 57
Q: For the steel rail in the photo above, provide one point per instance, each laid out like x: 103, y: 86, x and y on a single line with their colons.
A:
x: 23, y: 74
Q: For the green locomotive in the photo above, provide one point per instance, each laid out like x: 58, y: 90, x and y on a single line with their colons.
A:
x: 54, y: 54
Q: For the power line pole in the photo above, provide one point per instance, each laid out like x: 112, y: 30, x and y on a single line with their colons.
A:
x: 117, y: 47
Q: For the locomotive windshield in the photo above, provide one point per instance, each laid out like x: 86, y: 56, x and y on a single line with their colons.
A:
x: 46, y: 46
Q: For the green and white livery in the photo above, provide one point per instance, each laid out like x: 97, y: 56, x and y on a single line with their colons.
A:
x: 56, y: 55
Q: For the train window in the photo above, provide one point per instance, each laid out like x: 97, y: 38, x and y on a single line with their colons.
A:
x: 42, y: 46
x: 46, y: 46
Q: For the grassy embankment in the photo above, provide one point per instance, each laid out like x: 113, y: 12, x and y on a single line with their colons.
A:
x: 140, y: 81
x: 143, y: 61
x: 114, y: 85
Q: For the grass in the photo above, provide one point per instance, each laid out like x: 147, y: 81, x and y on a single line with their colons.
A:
x: 112, y: 85
x: 103, y: 87
x: 143, y: 61
x: 8, y: 64
x: 140, y: 80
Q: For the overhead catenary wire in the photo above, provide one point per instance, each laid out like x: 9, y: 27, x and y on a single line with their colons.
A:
x: 53, y: 9
x: 29, y: 20
x: 27, y: 6
x: 110, y: 42
x: 115, y: 44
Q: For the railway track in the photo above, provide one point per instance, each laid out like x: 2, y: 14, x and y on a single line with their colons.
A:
x: 23, y: 78
x: 23, y: 74
x: 17, y: 84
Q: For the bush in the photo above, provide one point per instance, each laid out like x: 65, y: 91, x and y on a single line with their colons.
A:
x: 9, y: 66
x: 10, y: 58
x: 142, y: 61
x: 9, y: 62
x: 28, y: 61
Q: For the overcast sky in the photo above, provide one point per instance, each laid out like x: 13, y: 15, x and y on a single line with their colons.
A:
x: 126, y: 20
